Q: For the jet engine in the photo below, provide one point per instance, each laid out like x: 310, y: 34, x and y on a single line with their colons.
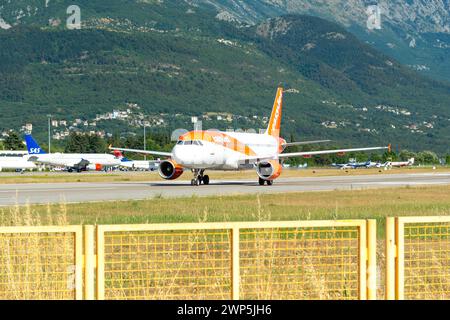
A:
x: 169, y: 170
x: 94, y: 167
x: 269, y: 170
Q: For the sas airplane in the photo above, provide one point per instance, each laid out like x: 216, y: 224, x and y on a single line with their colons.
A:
x: 215, y: 150
x: 72, y: 161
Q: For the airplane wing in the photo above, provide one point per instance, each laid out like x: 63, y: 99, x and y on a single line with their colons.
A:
x: 156, y: 153
x: 306, y: 153
x: 81, y: 164
x: 289, y: 144
x: 313, y: 153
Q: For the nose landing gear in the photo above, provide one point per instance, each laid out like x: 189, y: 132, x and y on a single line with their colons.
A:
x: 199, y: 178
x: 262, y: 181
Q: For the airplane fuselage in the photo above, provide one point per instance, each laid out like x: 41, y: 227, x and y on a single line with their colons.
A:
x: 217, y: 150
x: 74, y: 159
x: 16, y: 163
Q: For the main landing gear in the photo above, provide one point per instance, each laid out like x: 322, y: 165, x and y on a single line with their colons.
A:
x: 262, y: 181
x: 199, y: 178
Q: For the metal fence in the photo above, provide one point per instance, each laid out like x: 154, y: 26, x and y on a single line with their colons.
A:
x: 262, y: 260
x: 418, y: 258
x: 41, y: 262
x: 242, y: 260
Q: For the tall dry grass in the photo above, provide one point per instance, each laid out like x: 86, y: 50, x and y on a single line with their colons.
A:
x: 36, y: 265
x: 293, y: 263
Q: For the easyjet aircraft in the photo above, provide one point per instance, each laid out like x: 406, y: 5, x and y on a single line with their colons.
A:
x: 216, y: 150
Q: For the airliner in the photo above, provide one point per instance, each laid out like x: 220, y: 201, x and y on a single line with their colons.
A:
x: 147, y: 165
x: 15, y: 160
x: 72, y: 161
x: 215, y: 150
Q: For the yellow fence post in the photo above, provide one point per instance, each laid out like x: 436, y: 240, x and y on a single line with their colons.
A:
x: 400, y: 261
x: 89, y: 263
x: 235, y: 263
x: 371, y: 259
x: 391, y: 254
x: 100, y: 239
x: 78, y: 263
x: 363, y: 261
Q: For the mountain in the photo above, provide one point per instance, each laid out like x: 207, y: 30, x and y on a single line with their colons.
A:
x: 415, y: 32
x: 164, y: 62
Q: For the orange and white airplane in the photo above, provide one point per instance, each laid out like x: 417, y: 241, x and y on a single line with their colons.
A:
x: 216, y: 150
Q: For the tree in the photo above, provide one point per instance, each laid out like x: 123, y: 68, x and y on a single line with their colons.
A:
x: 390, y: 156
x: 76, y: 143
x: 95, y: 144
x: 13, y: 142
x: 447, y: 159
x: 428, y: 157
x: 405, y: 155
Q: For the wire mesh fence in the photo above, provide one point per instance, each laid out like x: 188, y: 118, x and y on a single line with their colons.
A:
x: 40, y: 263
x: 300, y: 263
x: 418, y: 258
x: 184, y: 264
x: 426, y: 260
x: 278, y: 260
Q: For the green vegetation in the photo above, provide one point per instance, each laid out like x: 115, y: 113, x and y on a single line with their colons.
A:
x: 13, y: 142
x: 169, y: 60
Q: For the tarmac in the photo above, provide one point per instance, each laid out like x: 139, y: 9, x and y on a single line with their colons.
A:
x: 43, y: 193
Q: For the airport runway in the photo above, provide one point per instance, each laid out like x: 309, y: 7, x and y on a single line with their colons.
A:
x: 12, y: 194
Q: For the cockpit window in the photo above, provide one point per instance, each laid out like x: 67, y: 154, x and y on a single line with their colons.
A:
x: 191, y: 142
x: 180, y: 142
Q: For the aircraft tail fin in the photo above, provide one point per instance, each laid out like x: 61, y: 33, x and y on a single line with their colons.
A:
x: 119, y: 155
x: 273, y: 128
x: 32, y: 146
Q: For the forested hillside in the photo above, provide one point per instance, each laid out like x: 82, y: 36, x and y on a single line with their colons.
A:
x: 170, y: 58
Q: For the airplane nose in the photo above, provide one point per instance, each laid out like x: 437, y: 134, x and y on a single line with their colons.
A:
x: 176, y: 153
x: 180, y: 155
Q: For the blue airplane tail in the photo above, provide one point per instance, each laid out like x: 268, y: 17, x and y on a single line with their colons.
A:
x: 32, y: 146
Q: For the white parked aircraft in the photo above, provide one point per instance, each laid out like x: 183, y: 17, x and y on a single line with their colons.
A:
x: 216, y: 150
x: 15, y: 160
x: 72, y: 161
x: 147, y: 165
x: 399, y: 164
